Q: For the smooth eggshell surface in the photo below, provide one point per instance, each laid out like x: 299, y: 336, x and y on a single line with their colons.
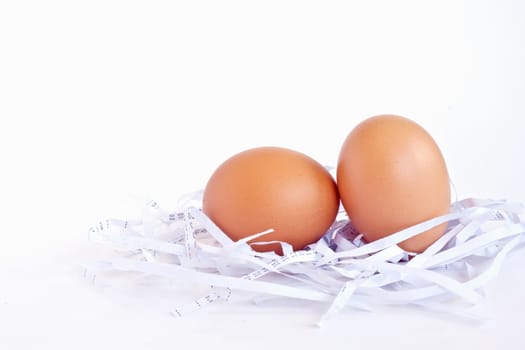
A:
x: 392, y: 175
x: 272, y: 188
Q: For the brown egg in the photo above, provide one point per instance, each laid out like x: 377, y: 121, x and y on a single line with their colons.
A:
x: 391, y: 175
x: 272, y: 188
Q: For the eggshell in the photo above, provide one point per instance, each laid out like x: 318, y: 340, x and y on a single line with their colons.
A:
x: 392, y: 175
x: 272, y: 188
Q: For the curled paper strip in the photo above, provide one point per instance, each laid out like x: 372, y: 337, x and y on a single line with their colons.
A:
x: 340, y: 269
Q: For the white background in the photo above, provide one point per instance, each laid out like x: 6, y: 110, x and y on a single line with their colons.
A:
x: 102, y: 100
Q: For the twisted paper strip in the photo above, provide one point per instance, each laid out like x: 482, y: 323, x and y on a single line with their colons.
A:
x: 340, y: 269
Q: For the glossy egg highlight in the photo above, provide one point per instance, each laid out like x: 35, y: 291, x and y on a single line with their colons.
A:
x: 391, y: 175
x: 272, y: 188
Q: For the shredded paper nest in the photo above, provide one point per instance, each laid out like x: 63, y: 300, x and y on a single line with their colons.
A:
x: 341, y: 270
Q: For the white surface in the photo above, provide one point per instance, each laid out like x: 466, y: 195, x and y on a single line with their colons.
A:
x: 105, y: 99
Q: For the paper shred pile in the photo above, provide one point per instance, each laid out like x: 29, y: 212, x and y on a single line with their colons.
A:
x: 341, y: 270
